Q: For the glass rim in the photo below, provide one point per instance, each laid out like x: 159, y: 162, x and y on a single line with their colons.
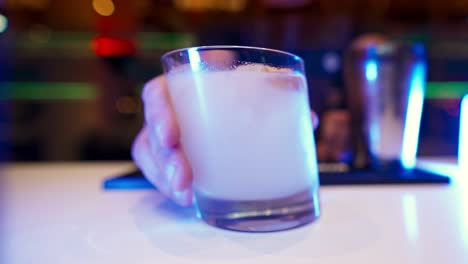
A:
x: 226, y: 47
x: 389, y: 48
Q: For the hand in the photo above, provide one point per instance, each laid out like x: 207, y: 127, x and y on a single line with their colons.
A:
x: 157, y: 150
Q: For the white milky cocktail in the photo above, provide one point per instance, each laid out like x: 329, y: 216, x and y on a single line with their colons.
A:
x: 247, y: 132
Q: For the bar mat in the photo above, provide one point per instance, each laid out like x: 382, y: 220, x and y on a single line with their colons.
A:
x: 362, y: 177
x: 136, y: 180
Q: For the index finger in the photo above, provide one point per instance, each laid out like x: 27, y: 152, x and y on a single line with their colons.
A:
x: 160, y: 116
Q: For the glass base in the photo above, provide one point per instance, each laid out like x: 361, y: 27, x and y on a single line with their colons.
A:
x: 260, y: 216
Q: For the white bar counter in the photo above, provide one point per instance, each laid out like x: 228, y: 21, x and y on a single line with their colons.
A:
x: 59, y: 213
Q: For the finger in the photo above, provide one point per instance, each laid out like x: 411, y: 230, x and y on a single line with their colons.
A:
x: 181, y: 172
x: 177, y: 173
x: 147, y: 162
x: 160, y: 152
x: 172, y: 163
x: 159, y: 113
x: 315, y: 119
x: 166, y: 168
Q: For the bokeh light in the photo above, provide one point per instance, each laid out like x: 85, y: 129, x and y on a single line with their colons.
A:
x: 104, y: 7
x: 126, y: 105
x: 3, y: 23
x: 201, y: 5
x: 331, y: 62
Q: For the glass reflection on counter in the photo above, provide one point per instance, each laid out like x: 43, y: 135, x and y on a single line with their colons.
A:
x: 463, y: 192
x: 410, y: 216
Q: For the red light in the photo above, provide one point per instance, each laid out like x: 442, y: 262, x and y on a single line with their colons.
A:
x: 112, y: 47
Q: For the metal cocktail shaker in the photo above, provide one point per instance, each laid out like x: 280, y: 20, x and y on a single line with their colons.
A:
x: 385, y: 84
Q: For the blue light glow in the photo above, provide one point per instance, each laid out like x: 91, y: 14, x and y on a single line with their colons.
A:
x: 197, y: 208
x: 371, y: 70
x: 307, y: 134
x: 374, y: 136
x: 463, y: 137
x: 194, y: 58
x: 196, y: 66
x: 410, y: 216
x: 413, y: 116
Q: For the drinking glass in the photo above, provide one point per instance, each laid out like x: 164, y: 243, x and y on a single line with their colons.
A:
x: 246, y: 128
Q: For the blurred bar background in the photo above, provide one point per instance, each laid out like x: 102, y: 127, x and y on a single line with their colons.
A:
x: 71, y: 72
